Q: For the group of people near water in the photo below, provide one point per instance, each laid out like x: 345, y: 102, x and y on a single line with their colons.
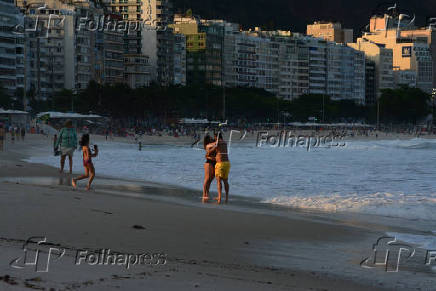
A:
x: 217, y: 165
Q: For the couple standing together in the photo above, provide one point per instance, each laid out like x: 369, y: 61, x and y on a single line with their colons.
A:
x: 217, y: 165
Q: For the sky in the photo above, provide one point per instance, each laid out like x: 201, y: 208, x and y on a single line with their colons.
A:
x: 294, y: 15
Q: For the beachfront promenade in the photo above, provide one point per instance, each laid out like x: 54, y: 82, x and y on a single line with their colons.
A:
x: 206, y: 247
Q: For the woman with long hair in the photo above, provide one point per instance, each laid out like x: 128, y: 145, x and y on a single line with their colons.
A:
x: 209, y: 166
x: 87, y: 162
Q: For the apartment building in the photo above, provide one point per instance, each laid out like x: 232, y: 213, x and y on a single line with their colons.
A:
x: 330, y: 31
x: 290, y: 65
x: 136, y: 70
x: 109, y: 62
x: 59, y: 52
x: 251, y: 63
x: 383, y: 60
x: 413, y: 49
x: 204, y: 48
x: 136, y: 41
x: 12, y: 65
x: 158, y: 40
x: 370, y: 82
x: 179, y: 59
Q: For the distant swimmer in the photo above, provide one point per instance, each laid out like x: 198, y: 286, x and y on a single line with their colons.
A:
x: 209, y: 166
x: 87, y: 162
x: 222, y: 167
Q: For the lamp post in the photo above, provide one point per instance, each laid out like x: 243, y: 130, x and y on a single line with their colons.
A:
x: 433, y: 96
x: 323, y: 108
x: 378, y: 113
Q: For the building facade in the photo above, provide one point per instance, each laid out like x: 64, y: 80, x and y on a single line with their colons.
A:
x: 12, y: 62
x: 330, y: 31
x: 413, y: 48
x: 159, y: 40
x: 290, y: 65
x: 135, y: 47
x: 383, y: 61
x: 179, y: 59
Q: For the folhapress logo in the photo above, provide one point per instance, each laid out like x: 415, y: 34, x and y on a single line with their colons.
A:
x: 37, y: 254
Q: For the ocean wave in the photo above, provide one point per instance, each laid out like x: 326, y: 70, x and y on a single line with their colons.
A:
x: 411, y: 206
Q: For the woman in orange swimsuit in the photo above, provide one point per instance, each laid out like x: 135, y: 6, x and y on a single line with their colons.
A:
x: 87, y: 162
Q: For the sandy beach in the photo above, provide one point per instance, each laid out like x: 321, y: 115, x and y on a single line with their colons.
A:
x: 204, y: 246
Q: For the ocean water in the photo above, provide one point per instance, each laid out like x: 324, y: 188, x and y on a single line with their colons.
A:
x: 390, y: 178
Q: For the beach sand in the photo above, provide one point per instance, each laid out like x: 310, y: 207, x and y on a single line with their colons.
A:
x: 207, y: 247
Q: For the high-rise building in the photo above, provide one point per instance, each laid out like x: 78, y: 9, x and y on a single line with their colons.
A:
x: 60, y: 50
x: 370, y: 82
x: 290, y: 65
x: 109, y: 46
x: 404, y: 78
x: 158, y: 40
x: 195, y: 48
x: 12, y: 71
x: 413, y: 49
x: 383, y: 60
x: 136, y: 70
x: 330, y: 31
x: 204, y: 48
x: 136, y: 41
x: 179, y: 59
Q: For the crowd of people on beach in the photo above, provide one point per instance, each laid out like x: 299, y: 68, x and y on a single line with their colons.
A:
x: 217, y: 164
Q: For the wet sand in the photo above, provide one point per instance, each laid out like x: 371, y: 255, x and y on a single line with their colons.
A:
x: 207, y: 247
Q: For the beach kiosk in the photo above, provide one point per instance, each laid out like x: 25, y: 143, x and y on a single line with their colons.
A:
x: 14, y: 117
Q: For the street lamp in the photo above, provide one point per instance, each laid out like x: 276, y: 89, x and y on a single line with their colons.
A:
x: 433, y: 96
x: 378, y: 112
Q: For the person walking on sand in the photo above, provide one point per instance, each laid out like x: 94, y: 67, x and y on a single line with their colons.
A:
x: 222, y: 167
x: 67, y: 140
x: 209, y: 166
x: 2, y: 137
x: 12, y: 131
x: 87, y: 162
x: 23, y: 133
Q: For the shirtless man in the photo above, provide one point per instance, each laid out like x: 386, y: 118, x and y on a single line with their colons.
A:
x: 222, y: 167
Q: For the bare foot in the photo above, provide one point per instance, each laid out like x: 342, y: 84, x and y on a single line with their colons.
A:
x: 88, y: 188
x: 205, y: 199
x: 73, y: 182
x: 218, y: 200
